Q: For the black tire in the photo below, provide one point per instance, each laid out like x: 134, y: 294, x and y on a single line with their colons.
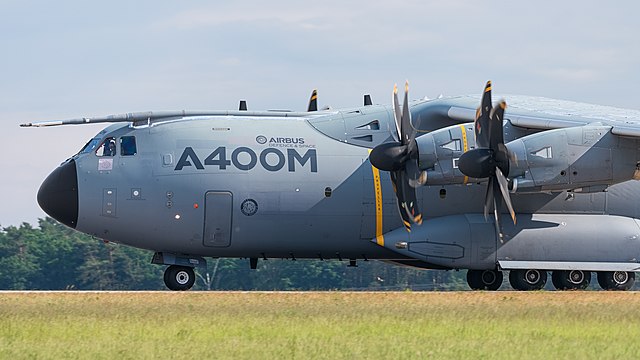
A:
x: 616, y: 280
x: 527, y: 279
x: 571, y: 279
x: 179, y: 278
x: 484, y: 279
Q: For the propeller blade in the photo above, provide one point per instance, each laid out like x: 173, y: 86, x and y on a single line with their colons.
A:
x: 486, y: 98
x: 497, y: 138
x: 406, y: 129
x: 409, y: 199
x: 313, y: 101
x: 416, y: 177
x: 504, y: 189
x: 397, y: 114
x: 483, y: 120
x: 488, y: 198
x: 496, y: 133
x: 406, y: 221
x: 497, y: 208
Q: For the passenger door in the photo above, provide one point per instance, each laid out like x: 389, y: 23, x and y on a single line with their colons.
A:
x: 217, y: 219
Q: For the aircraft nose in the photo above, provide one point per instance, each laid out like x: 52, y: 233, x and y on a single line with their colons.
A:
x: 58, y: 194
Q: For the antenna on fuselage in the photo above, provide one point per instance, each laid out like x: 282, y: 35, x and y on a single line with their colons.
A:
x: 367, y: 100
x: 243, y: 105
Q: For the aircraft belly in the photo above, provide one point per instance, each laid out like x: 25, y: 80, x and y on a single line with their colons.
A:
x: 571, y: 238
x: 456, y: 241
x: 470, y: 241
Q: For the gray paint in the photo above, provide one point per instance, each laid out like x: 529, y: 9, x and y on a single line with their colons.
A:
x: 191, y: 205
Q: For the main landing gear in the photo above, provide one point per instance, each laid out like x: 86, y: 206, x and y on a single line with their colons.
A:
x: 180, y: 278
x: 534, y: 279
x: 616, y: 280
x: 484, y: 279
x: 571, y: 279
x: 527, y: 279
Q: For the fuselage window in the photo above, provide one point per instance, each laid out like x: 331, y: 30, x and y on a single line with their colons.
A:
x: 108, y: 147
x: 128, y: 146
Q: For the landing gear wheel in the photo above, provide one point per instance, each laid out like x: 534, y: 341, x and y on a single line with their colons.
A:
x: 527, y: 279
x: 179, y: 278
x: 616, y: 280
x: 484, y: 279
x: 571, y: 279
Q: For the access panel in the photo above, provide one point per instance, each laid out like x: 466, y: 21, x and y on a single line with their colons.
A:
x: 218, y: 218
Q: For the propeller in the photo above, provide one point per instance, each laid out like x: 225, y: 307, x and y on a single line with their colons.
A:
x: 491, y: 157
x: 313, y: 101
x: 400, y: 158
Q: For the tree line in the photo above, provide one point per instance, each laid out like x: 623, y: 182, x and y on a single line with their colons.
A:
x: 54, y: 257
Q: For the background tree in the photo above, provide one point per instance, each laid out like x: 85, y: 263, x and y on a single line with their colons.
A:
x: 55, y: 257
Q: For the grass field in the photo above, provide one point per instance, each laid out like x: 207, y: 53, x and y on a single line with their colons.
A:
x: 326, y: 325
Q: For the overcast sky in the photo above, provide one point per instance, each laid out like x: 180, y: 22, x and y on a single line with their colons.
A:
x: 67, y: 59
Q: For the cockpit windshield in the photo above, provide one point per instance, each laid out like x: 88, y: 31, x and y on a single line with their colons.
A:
x: 90, y: 146
x: 108, y: 147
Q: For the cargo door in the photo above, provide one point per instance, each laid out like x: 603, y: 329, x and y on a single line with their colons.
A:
x: 217, y: 220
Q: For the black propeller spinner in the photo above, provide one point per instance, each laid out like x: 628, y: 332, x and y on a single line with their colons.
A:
x: 491, y: 157
x: 400, y: 158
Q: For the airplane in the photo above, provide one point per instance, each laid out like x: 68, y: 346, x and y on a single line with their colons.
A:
x: 541, y: 186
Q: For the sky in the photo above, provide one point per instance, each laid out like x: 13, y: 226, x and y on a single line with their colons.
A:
x: 68, y: 59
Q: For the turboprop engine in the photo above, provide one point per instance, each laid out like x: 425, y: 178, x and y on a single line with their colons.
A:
x: 582, y: 159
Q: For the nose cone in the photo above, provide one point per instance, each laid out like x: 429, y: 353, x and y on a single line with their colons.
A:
x: 58, y: 194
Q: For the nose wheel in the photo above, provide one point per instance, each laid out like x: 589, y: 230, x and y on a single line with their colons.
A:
x: 179, y: 278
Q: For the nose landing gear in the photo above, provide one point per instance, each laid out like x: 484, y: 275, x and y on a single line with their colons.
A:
x: 179, y: 278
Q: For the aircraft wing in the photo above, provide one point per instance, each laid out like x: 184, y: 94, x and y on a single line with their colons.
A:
x: 150, y: 117
x: 534, y: 113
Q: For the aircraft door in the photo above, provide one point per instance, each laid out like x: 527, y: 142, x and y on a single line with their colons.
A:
x: 217, y: 219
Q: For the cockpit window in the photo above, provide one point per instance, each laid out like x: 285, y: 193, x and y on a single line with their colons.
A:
x: 90, y: 146
x: 128, y: 146
x: 108, y: 147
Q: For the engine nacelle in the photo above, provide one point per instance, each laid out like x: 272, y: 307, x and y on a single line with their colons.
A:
x: 584, y: 159
x: 440, y: 150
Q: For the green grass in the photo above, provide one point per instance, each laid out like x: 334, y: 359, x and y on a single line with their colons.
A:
x: 325, y: 325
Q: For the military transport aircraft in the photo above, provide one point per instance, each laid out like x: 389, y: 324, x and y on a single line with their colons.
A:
x: 545, y: 186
